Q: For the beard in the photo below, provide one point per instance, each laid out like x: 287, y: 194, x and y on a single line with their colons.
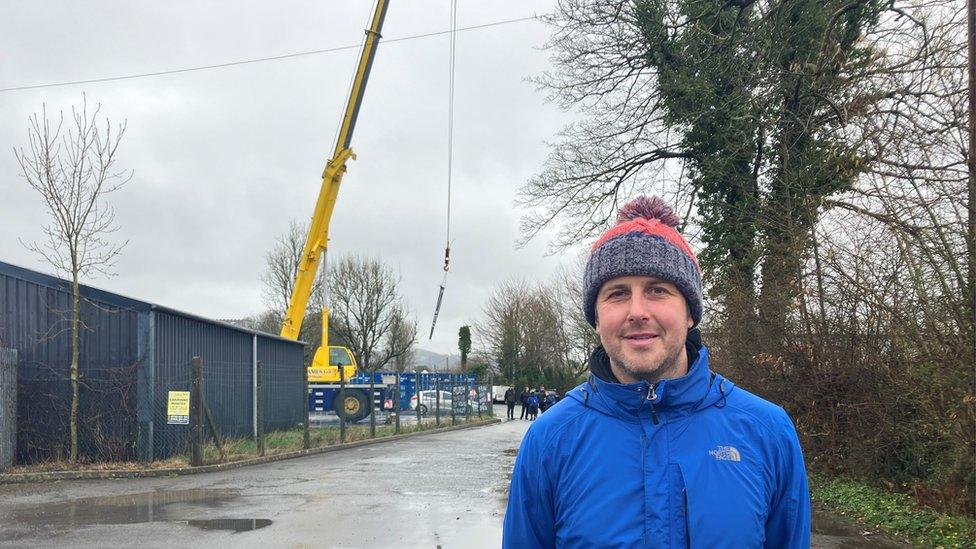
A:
x: 647, y: 368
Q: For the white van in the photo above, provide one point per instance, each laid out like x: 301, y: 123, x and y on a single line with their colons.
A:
x: 498, y: 393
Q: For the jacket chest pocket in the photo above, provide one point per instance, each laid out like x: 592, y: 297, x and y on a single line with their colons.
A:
x: 717, y: 504
x: 678, y: 508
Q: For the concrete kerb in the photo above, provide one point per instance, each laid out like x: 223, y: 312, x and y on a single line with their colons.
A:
x: 19, y: 478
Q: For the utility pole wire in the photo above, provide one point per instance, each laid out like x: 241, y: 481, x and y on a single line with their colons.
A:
x: 261, y: 59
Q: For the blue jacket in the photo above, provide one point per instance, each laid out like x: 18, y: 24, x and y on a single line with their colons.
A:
x: 692, y: 462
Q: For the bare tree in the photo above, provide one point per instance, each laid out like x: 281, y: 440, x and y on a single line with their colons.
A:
x: 366, y: 309
x: 267, y: 321
x: 537, y: 333
x: 500, y: 331
x: 579, y: 338
x: 401, y: 339
x: 73, y: 168
x: 281, y: 267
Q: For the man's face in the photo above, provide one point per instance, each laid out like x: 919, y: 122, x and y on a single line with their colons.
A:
x: 643, y: 322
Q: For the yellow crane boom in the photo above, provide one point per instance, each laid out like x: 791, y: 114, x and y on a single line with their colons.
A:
x: 317, y: 241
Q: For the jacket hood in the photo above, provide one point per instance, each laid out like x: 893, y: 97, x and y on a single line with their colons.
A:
x: 670, y: 398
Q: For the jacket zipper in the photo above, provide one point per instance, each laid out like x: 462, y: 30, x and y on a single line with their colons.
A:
x: 651, y: 397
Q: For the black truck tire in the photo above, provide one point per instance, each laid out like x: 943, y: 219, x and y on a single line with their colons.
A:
x: 351, y: 405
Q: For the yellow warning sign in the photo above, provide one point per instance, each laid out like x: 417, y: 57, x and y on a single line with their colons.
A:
x: 178, y: 408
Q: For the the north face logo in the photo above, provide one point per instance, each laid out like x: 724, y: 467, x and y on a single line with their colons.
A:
x: 725, y: 453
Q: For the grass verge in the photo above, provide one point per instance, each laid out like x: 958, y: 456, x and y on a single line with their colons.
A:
x: 276, y: 442
x: 894, y: 513
x: 282, y: 442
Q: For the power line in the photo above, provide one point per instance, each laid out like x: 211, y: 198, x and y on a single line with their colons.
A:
x: 261, y: 59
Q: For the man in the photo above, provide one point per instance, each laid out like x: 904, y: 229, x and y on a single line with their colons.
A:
x: 510, y: 402
x: 655, y: 449
x: 524, y: 400
x: 542, y: 398
x: 551, y: 398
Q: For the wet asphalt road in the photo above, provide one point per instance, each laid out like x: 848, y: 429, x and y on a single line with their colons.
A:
x: 445, y: 489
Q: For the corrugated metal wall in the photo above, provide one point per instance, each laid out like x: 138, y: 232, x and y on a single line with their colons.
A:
x: 228, y: 359
x: 282, y: 382
x: 133, y: 353
x: 35, y: 313
x: 227, y: 376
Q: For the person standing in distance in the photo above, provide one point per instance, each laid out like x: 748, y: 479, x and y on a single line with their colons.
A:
x: 510, y: 402
x: 655, y: 449
x: 524, y: 400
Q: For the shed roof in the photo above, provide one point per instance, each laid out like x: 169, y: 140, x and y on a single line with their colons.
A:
x: 109, y: 298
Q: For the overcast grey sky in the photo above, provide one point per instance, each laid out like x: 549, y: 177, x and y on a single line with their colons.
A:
x: 224, y: 158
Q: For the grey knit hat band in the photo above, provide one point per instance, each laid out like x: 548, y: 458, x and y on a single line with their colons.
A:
x: 636, y: 254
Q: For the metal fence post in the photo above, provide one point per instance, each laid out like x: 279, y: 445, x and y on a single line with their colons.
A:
x: 453, y: 405
x: 491, y: 396
x: 372, y: 404
x: 437, y: 401
x: 416, y: 392
x: 260, y: 405
x: 396, y: 404
x: 8, y: 407
x: 196, y: 412
x: 306, y: 442
x: 340, y: 408
x: 467, y: 399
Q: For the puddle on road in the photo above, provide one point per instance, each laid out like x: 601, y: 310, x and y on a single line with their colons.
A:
x: 236, y: 525
x: 163, y: 506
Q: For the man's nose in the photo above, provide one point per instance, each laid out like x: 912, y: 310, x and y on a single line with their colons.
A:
x: 639, y: 308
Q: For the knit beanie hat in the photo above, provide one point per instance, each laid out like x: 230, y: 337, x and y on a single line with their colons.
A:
x: 643, y: 242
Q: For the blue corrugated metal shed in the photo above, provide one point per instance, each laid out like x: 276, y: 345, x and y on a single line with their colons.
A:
x: 133, y: 354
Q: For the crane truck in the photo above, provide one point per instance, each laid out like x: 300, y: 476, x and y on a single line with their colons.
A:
x: 331, y: 363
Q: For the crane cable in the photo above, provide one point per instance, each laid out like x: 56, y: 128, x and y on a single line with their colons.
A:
x: 450, y: 162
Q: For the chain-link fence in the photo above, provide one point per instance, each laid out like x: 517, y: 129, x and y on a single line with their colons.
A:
x: 401, y: 402
x: 106, y: 414
x: 210, y: 410
x: 225, y: 401
x: 227, y: 423
x: 451, y: 399
x: 8, y: 407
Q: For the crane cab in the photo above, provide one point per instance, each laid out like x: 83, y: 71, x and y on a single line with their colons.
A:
x: 325, y: 366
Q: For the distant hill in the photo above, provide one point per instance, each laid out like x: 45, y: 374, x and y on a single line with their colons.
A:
x: 434, y: 361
